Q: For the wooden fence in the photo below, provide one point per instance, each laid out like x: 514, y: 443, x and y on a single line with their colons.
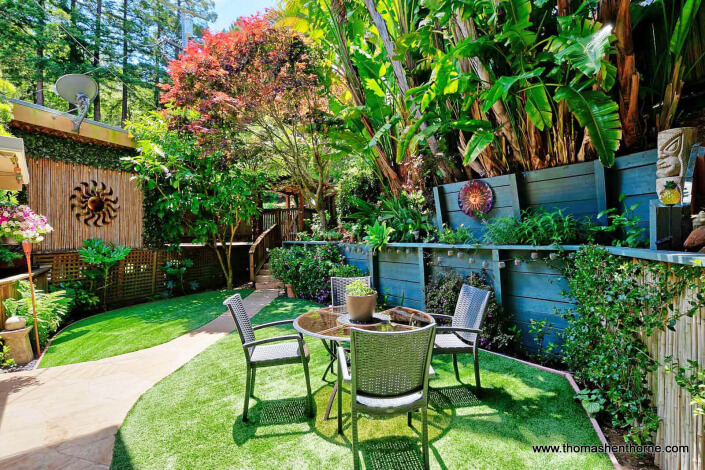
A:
x: 288, y: 219
x: 8, y: 288
x: 140, y: 275
x: 53, y: 185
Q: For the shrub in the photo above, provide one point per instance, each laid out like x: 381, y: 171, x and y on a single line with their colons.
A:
x: 356, y: 182
x: 51, y: 309
x: 537, y: 227
x: 175, y: 273
x: 309, y: 270
x: 442, y: 294
x: 614, y: 312
x: 459, y: 236
x: 102, y: 258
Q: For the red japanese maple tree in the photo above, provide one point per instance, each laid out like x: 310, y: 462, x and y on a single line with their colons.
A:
x: 256, y: 86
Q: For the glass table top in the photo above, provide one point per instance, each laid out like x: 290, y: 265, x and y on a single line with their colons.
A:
x: 333, y: 323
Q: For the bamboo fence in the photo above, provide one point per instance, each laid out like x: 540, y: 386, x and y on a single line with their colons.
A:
x: 679, y: 425
x: 53, y: 183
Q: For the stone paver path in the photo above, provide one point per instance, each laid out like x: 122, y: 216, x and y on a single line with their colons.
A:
x: 66, y: 417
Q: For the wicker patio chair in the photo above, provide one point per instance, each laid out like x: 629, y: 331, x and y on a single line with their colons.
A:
x: 388, y: 375
x: 260, y: 353
x: 338, y: 285
x: 337, y: 294
x: 466, y: 324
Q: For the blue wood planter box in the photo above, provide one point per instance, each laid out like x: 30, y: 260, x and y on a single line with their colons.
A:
x: 530, y: 290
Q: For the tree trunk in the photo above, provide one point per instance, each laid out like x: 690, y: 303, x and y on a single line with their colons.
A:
x: 40, y: 58
x: 123, y: 116
x: 96, y: 56
x: 157, y: 62
x: 466, y: 29
x: 403, y: 84
x: 617, y: 12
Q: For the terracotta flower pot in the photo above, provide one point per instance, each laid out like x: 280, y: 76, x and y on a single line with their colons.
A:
x: 290, y: 291
x: 361, y: 307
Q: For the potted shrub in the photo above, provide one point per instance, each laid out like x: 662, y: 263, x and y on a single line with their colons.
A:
x: 360, y: 301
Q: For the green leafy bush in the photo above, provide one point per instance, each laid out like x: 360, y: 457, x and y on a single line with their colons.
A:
x: 459, y: 236
x: 309, y: 270
x: 613, y: 314
x: 51, y: 309
x: 175, y: 273
x: 356, y: 182
x: 442, y: 294
x: 5, y: 360
x: 623, y: 228
x: 101, y: 258
x: 378, y: 236
x: 537, y: 227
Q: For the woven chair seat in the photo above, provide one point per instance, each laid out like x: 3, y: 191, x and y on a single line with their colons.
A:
x: 391, y: 403
x: 450, y: 343
x: 280, y: 353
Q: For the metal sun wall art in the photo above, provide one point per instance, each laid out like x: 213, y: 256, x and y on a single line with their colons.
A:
x: 475, y: 198
x: 94, y: 204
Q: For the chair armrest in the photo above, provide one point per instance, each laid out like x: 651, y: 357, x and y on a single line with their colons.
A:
x: 274, y: 323
x: 273, y: 340
x: 343, y: 365
x: 459, y: 329
x: 440, y: 316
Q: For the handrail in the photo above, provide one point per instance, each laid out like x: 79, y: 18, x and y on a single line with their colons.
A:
x: 258, y: 251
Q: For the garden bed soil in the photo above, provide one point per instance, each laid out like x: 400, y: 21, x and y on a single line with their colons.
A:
x: 629, y: 461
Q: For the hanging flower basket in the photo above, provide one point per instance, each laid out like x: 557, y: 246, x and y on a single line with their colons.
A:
x: 20, y: 223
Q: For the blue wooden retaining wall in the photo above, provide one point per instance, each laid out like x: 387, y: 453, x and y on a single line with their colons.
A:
x: 583, y: 190
x: 529, y: 290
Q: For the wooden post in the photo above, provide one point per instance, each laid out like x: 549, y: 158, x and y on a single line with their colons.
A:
x: 600, y: 191
x: 422, y: 276
x: 497, y: 276
x: 438, y: 199
x: 286, y: 196
x: 27, y: 248
x: 301, y: 212
x: 514, y: 189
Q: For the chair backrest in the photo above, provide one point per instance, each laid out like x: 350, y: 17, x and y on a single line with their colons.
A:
x: 338, y: 284
x: 242, y: 321
x: 470, y: 310
x: 390, y: 364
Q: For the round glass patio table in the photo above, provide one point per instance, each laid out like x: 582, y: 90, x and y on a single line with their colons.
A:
x: 332, y: 325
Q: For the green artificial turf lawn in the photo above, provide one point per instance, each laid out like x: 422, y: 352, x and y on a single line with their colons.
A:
x: 133, y: 328
x: 191, y: 419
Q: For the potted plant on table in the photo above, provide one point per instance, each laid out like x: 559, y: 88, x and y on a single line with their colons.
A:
x: 360, y: 300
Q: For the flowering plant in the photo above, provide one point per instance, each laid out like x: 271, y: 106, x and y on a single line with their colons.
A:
x: 22, y: 224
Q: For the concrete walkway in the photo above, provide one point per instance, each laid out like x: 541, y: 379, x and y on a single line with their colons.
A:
x: 66, y: 417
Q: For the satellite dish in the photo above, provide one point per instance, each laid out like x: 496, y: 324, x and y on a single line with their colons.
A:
x: 79, y: 90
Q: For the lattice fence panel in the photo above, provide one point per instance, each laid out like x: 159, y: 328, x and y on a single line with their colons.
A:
x: 140, y: 275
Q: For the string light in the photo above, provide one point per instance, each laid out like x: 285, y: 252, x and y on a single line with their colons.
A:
x: 485, y: 265
x: 534, y: 255
x: 553, y: 256
x: 517, y: 262
x: 471, y: 260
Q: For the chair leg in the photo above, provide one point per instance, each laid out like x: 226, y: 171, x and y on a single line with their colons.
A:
x: 408, y: 419
x: 424, y: 437
x: 247, y: 395
x: 455, y: 366
x: 356, y: 457
x: 477, y: 370
x: 308, y: 387
x: 252, y: 383
x: 340, y: 400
